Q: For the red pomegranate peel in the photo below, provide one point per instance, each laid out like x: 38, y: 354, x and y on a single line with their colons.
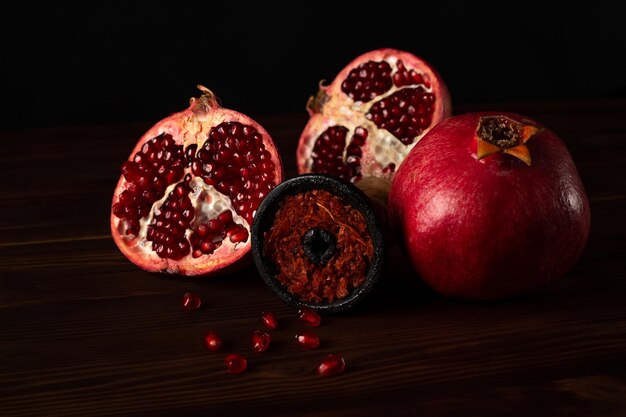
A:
x: 478, y: 217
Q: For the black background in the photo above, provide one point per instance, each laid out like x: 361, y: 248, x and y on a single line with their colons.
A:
x: 110, y: 62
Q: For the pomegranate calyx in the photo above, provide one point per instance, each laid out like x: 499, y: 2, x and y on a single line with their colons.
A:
x: 205, y: 103
x: 315, y: 104
x: 502, y: 134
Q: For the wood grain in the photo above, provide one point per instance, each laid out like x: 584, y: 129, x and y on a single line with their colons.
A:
x: 85, y: 333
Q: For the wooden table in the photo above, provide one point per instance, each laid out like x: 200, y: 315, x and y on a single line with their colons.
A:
x: 86, y: 333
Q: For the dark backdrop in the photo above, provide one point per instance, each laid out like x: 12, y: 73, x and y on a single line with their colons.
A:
x: 107, y: 62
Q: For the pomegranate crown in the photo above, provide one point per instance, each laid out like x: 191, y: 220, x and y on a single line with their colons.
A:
x: 500, y: 133
x: 208, y: 100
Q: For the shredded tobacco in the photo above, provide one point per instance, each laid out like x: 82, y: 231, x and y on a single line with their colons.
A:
x: 346, y: 269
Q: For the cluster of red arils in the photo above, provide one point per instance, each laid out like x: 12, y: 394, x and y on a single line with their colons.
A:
x: 260, y: 340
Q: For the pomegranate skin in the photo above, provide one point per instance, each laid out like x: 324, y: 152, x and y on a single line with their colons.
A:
x: 489, y: 228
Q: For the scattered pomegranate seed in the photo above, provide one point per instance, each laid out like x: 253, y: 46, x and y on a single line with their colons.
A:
x: 235, y: 363
x: 212, y: 341
x: 332, y: 364
x: 307, y: 340
x: 260, y: 341
x: 269, y: 320
x: 191, y: 301
x: 309, y: 317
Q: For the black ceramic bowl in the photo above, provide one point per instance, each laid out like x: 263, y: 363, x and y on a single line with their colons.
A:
x: 349, y: 194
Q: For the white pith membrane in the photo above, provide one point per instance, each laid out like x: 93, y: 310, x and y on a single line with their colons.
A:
x: 381, y: 147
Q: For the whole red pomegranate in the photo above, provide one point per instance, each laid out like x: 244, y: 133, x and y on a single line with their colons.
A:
x: 490, y: 205
x: 366, y: 121
x: 190, y: 188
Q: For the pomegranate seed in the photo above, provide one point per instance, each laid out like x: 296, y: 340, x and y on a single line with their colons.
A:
x: 240, y: 234
x: 269, y: 320
x: 332, y: 364
x: 207, y: 247
x: 260, y: 341
x: 307, y: 340
x: 214, y: 225
x: 309, y: 317
x: 202, y: 230
x: 191, y: 301
x: 190, y: 152
x: 235, y: 363
x: 390, y: 168
x: 212, y: 341
x: 225, y: 217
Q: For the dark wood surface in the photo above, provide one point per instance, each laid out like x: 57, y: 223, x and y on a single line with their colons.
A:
x: 83, y: 332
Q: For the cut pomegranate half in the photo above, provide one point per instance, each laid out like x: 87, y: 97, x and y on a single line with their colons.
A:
x: 190, y: 189
x: 366, y: 121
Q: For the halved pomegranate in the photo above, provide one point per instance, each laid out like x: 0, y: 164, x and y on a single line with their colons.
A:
x: 366, y: 121
x: 190, y: 189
